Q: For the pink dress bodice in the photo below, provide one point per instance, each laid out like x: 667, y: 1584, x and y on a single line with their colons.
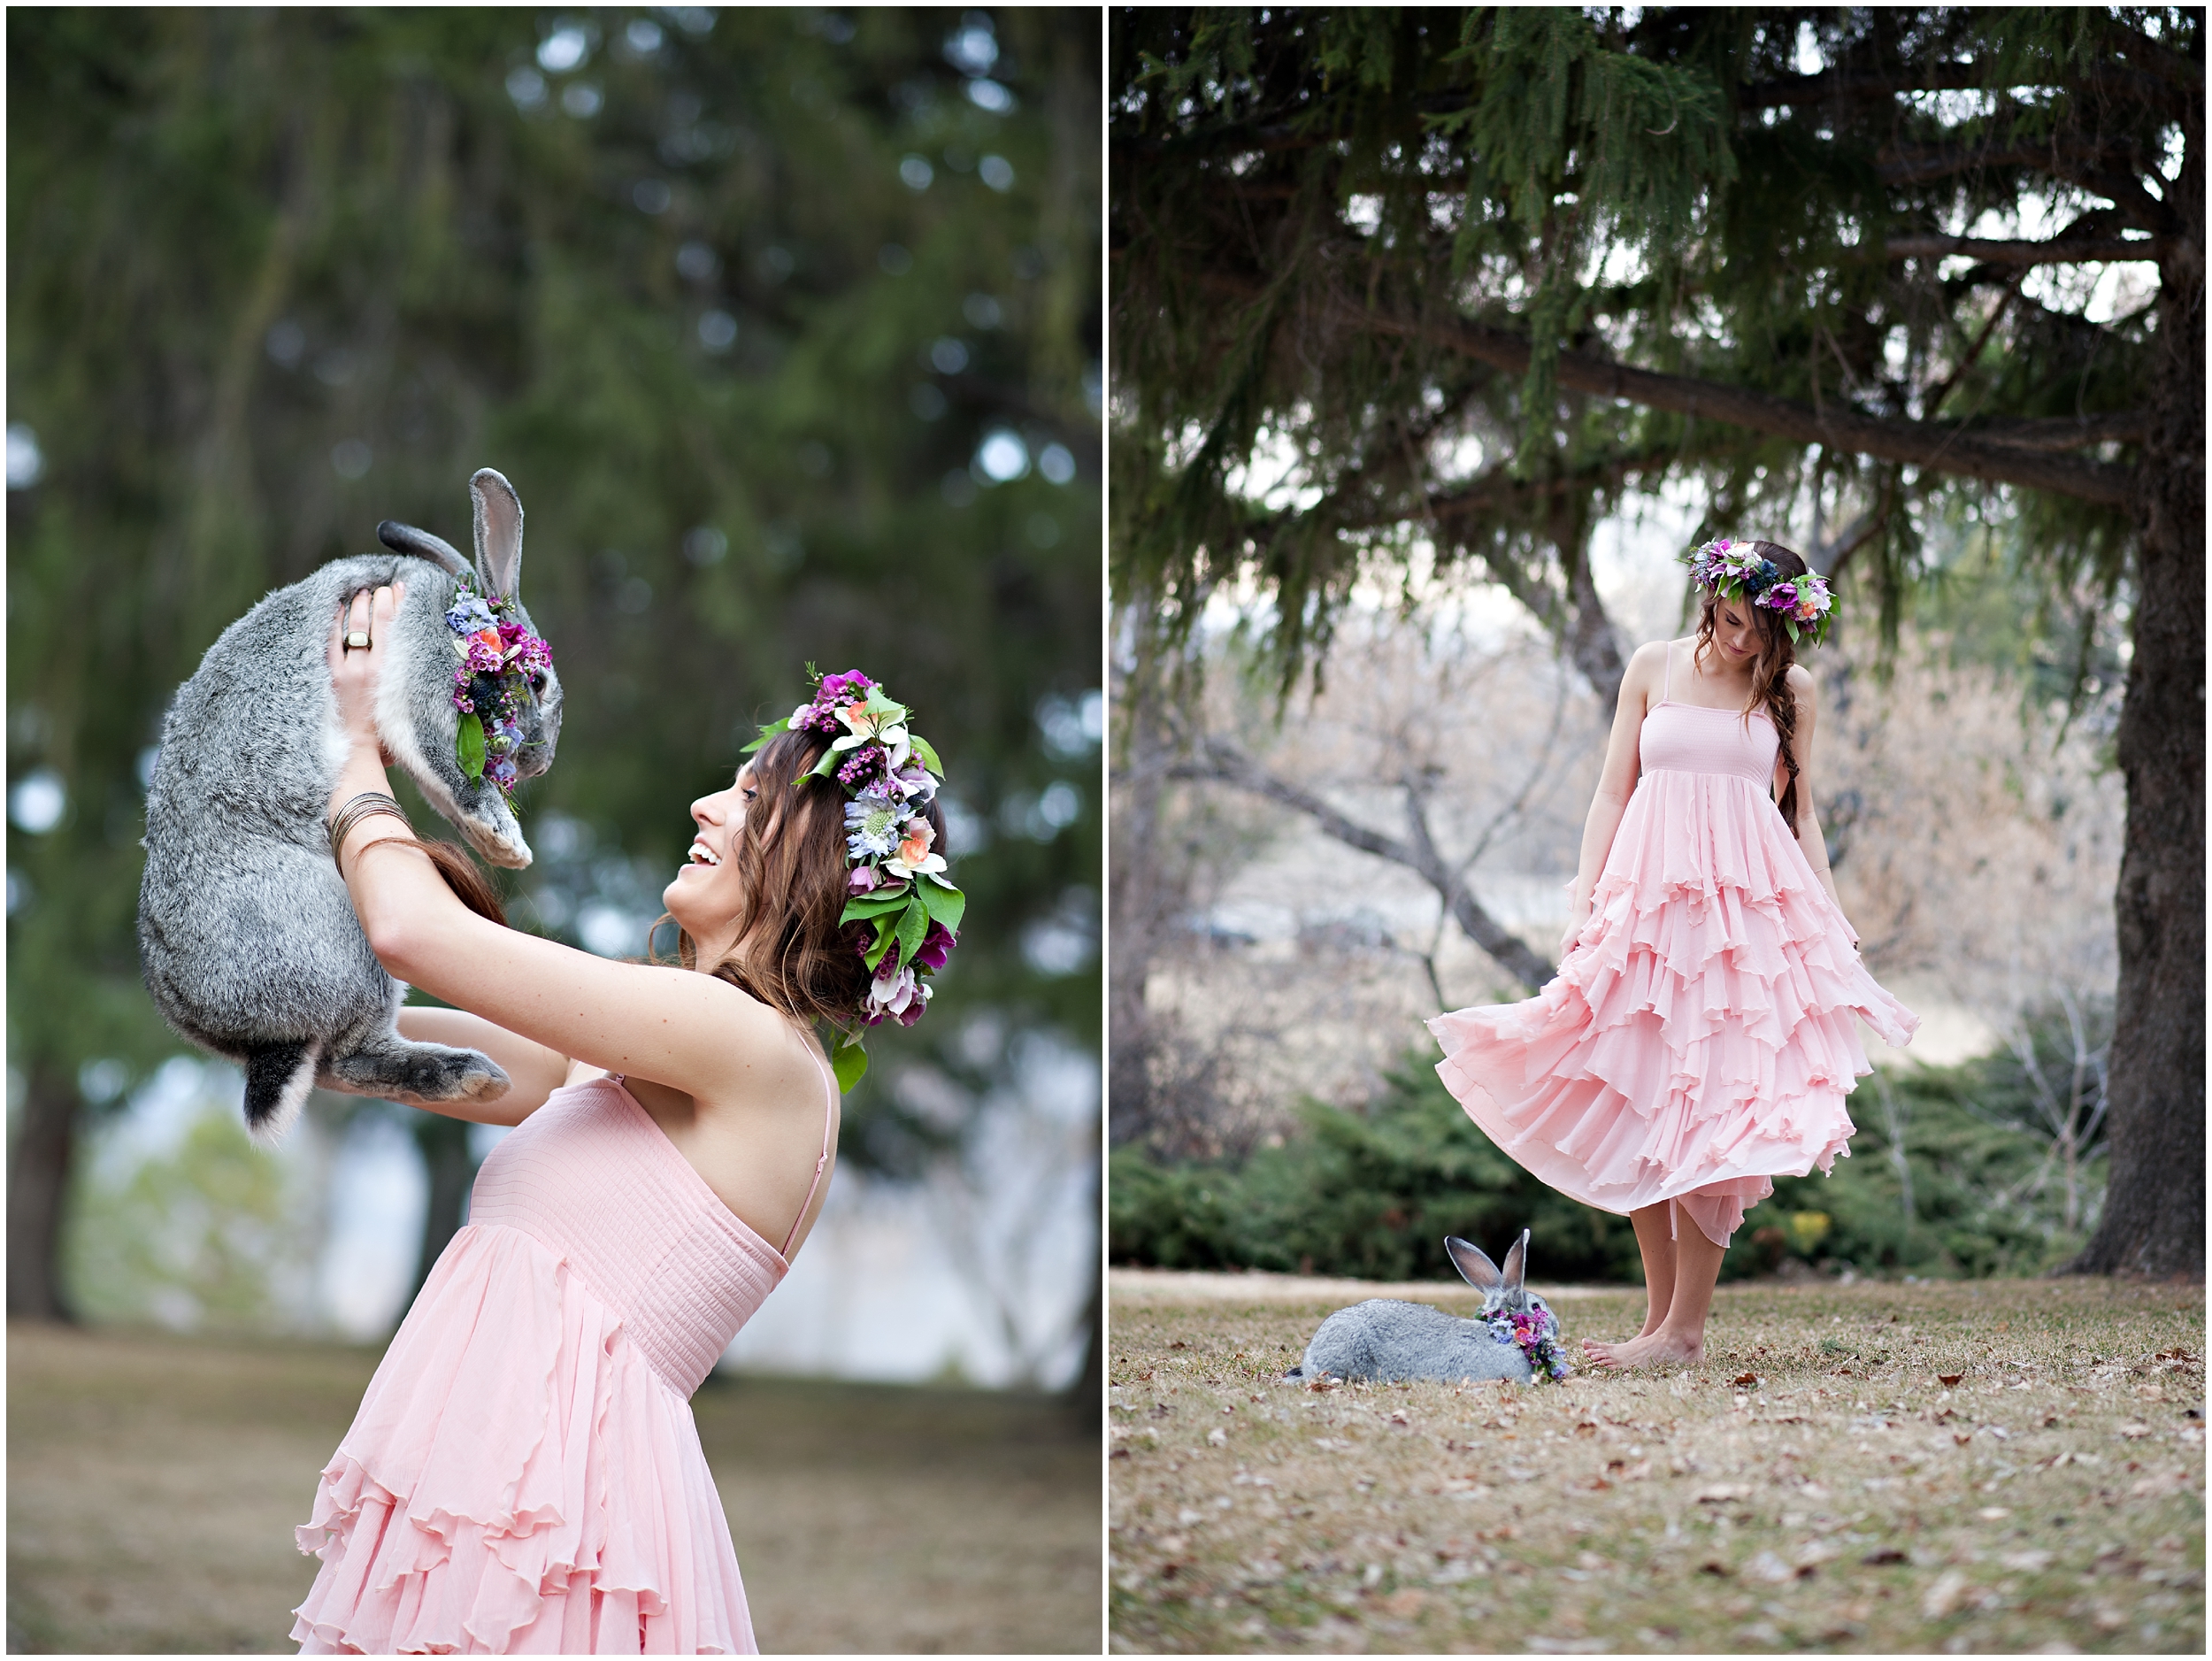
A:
x: 592, y: 1178
x: 1696, y: 738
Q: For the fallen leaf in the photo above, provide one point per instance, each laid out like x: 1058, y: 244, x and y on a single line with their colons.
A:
x: 1638, y: 1471
x: 1179, y: 1344
x: 1398, y: 1415
x: 1881, y: 1555
x: 1721, y: 1493
x: 1714, y: 1566
x: 2134, y: 1430
x: 1942, y: 1597
x: 1218, y: 1438
x: 1946, y: 1379
x: 1992, y: 1514
x: 1744, y: 1381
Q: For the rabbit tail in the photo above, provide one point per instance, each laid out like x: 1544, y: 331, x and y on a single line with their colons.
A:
x: 277, y: 1079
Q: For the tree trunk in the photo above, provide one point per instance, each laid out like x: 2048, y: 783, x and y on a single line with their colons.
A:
x: 38, y: 1183
x: 445, y: 1152
x: 2153, y: 1212
x: 1135, y: 900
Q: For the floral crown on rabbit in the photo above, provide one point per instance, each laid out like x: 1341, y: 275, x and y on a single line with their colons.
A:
x: 1735, y: 569
x: 896, y: 887
x: 501, y: 664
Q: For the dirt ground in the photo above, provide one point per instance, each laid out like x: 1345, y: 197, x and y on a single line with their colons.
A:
x: 2001, y: 1467
x: 154, y: 1482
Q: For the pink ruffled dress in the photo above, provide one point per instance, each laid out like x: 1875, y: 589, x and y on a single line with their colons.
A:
x: 1699, y: 1038
x: 523, y: 1476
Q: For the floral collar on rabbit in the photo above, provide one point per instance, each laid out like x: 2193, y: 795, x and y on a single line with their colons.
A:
x: 1536, y: 1333
x: 903, y: 910
x: 502, y: 665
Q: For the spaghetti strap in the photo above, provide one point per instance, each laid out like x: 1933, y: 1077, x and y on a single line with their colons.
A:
x: 829, y: 1118
x: 1666, y: 684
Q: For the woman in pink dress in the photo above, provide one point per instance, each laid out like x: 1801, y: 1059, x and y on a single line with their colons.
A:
x: 1701, y: 1034
x: 524, y: 1475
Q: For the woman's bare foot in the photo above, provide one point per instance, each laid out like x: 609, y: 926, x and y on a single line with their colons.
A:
x: 1651, y: 1349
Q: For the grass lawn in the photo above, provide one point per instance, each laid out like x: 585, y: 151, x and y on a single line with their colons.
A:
x: 153, y: 1484
x: 1815, y: 1485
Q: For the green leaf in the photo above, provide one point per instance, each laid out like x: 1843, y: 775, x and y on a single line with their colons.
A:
x: 945, y: 903
x: 767, y: 732
x: 886, y: 932
x: 912, y: 924
x: 867, y: 907
x: 825, y: 766
x: 929, y: 756
x: 469, y: 746
x: 849, y: 1062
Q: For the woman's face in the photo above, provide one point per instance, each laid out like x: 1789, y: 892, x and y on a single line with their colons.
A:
x: 1734, y: 632
x: 706, y: 892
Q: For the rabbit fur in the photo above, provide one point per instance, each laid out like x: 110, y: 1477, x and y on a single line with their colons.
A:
x: 247, y: 936
x: 1386, y: 1339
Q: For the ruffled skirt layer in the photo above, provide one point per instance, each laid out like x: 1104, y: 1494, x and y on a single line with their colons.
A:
x: 1700, y: 1036
x: 518, y: 1480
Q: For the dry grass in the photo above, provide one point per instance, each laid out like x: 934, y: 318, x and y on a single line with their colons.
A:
x: 1815, y: 1486
x: 153, y: 1484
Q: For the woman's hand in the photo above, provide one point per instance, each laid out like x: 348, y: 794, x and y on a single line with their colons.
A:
x: 1576, y: 921
x: 355, y: 670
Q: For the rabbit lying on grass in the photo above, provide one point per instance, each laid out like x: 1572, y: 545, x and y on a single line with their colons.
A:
x: 247, y: 936
x: 1387, y: 1339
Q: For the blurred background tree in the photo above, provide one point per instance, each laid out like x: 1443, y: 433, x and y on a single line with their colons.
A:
x: 786, y: 325
x: 1417, y: 298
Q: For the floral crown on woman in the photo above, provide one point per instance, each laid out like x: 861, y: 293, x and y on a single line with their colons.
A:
x: 1735, y: 570
x: 896, y: 891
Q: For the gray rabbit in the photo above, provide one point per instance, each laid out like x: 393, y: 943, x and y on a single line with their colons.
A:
x: 248, y: 942
x: 1389, y: 1339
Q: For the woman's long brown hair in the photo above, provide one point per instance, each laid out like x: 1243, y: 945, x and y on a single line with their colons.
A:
x: 790, y: 951
x: 1771, y: 669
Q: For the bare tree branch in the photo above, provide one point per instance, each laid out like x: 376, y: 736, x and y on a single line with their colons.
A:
x: 1218, y: 761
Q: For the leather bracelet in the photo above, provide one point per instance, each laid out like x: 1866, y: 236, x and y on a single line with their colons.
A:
x: 357, y: 810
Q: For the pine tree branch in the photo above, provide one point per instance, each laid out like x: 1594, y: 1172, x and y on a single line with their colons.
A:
x: 1219, y: 761
x: 2060, y: 251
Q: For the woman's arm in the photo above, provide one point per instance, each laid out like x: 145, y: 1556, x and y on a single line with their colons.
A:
x: 1617, y: 782
x: 1809, y: 840
x: 693, y: 1032
x: 536, y: 1071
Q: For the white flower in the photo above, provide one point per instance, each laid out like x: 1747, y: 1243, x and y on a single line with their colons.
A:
x: 913, y: 858
x: 871, y: 823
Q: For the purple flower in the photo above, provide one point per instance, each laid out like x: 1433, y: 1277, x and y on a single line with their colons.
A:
x: 845, y: 688
x: 866, y: 764
x: 863, y: 880
x: 935, y: 948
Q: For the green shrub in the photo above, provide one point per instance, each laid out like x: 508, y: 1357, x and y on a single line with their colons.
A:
x: 1372, y: 1194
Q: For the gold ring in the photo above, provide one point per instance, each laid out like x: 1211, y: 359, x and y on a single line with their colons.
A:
x: 357, y: 640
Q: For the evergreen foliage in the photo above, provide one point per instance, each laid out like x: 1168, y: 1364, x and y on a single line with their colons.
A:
x: 737, y: 299
x: 1371, y: 1195
x: 1334, y: 229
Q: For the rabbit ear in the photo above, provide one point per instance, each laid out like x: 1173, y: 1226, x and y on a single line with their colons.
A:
x: 498, y: 533
x: 1516, y: 1264
x: 1474, y: 1268
x: 405, y: 539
